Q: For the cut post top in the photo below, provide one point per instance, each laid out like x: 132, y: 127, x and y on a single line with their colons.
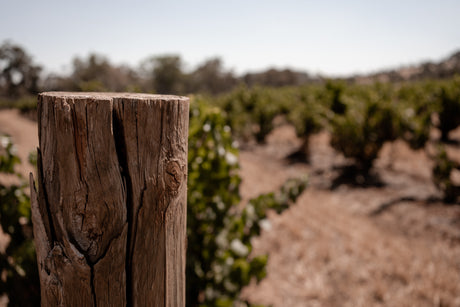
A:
x: 113, y: 95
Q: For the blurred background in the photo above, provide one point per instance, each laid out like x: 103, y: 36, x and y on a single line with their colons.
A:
x: 324, y: 146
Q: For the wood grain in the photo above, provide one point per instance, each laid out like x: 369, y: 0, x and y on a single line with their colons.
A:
x: 110, y: 212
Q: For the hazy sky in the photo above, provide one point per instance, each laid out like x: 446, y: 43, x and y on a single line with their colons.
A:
x: 328, y: 37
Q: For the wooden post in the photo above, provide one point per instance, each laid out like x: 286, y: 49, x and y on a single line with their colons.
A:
x: 109, y: 216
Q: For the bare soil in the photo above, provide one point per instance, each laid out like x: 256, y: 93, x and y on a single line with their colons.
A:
x: 389, y: 243
x: 386, y: 244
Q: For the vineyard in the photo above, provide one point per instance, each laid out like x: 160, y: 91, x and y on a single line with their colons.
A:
x: 365, y: 174
x: 360, y: 120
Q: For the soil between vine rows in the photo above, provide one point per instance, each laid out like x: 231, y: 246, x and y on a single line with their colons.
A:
x: 391, y: 244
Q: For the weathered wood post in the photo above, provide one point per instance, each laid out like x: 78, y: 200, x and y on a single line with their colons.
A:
x: 109, y: 216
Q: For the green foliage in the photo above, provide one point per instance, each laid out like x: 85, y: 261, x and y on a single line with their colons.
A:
x: 415, y: 106
x: 333, y: 95
x: 219, y: 264
x: 250, y: 112
x: 23, y: 103
x: 442, y: 171
x: 449, y: 104
x: 26, y: 103
x: 18, y: 261
x: 370, y: 121
x: 304, y: 111
x: 213, y: 189
x: 307, y: 113
x: 8, y: 158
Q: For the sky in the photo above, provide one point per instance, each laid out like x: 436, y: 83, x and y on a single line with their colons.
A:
x: 334, y: 38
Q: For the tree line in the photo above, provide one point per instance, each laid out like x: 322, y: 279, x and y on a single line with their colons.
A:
x: 20, y: 75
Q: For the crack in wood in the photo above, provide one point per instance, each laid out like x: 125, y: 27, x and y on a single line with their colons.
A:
x: 121, y: 151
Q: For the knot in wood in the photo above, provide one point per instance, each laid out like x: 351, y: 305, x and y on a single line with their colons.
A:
x: 174, y: 176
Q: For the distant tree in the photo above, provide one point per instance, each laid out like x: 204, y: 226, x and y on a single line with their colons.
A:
x: 95, y: 73
x: 211, y: 78
x: 18, y: 74
x: 164, y: 74
x: 276, y: 78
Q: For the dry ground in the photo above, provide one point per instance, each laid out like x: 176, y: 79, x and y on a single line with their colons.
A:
x: 386, y: 245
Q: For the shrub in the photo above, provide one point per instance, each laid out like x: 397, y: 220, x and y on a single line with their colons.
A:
x: 442, y: 171
x: 250, y: 111
x: 219, y: 235
x: 449, y: 104
x: 415, y: 104
x: 370, y: 121
x: 332, y: 96
x: 18, y: 262
x: 307, y: 114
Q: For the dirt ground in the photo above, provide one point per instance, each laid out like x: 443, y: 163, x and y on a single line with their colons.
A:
x: 389, y: 244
